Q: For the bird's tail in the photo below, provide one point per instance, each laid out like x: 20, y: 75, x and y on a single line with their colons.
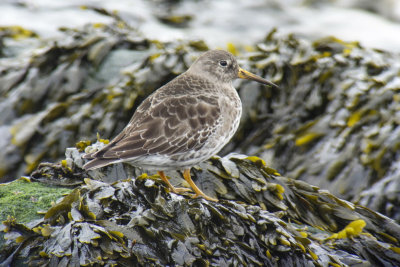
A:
x: 98, y: 163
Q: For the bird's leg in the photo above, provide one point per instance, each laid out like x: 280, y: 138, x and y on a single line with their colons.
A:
x: 171, y: 187
x: 186, y: 175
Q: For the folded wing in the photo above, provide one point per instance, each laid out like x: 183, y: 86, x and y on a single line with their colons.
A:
x: 169, y: 127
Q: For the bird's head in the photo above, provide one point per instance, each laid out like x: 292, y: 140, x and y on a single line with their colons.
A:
x: 221, y: 66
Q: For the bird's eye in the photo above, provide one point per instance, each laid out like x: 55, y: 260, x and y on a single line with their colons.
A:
x: 223, y: 63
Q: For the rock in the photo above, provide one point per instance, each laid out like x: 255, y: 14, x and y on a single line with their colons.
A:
x: 262, y: 219
x: 334, y: 124
x: 335, y: 121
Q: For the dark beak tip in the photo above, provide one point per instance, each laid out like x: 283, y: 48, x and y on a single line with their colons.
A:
x: 274, y: 86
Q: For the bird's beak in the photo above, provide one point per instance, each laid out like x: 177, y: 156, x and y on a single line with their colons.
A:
x: 244, y: 74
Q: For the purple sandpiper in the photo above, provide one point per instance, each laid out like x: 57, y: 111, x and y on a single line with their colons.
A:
x: 183, y: 123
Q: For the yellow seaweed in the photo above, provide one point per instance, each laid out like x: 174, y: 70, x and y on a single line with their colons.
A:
x: 352, y: 229
x: 307, y: 138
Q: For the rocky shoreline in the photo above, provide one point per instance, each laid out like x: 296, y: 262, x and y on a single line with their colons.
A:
x: 333, y: 126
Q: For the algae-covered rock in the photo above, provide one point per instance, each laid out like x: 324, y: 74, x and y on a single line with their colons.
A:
x: 262, y: 219
x: 335, y: 121
x: 24, y: 199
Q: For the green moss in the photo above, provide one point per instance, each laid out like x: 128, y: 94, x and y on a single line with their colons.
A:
x: 23, y: 199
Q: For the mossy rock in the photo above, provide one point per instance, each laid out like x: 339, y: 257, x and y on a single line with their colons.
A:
x: 23, y: 199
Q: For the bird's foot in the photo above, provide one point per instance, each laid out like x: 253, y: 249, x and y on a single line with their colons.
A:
x: 176, y: 190
x: 198, y: 192
x: 179, y: 190
x: 205, y: 197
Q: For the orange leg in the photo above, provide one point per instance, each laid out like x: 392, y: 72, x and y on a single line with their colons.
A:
x: 171, y: 187
x: 186, y: 175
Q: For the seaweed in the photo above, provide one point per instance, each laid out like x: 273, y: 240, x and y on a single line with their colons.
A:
x: 262, y: 219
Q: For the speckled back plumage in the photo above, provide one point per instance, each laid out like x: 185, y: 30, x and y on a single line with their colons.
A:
x: 183, y: 123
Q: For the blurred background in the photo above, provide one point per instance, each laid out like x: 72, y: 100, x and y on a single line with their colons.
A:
x: 372, y: 23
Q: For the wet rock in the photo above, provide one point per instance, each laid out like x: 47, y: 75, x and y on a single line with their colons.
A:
x: 335, y: 121
x: 262, y: 219
x: 334, y: 124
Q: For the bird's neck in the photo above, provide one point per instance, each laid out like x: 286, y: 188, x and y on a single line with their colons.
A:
x: 209, y: 82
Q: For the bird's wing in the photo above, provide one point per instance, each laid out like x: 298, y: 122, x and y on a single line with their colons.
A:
x: 172, y: 126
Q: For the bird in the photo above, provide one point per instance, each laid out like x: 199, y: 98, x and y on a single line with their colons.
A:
x: 184, y: 122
